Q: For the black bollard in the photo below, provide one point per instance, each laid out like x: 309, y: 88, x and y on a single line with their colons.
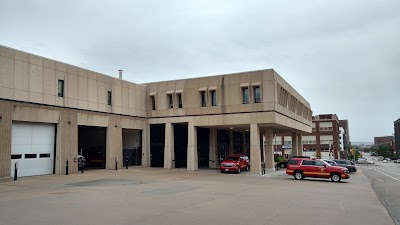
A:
x: 66, y: 168
x: 16, y: 171
x: 126, y: 162
x: 116, y: 163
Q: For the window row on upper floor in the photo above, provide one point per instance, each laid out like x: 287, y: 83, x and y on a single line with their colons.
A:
x: 207, y: 96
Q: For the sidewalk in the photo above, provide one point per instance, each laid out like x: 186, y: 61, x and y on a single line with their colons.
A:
x: 159, y: 196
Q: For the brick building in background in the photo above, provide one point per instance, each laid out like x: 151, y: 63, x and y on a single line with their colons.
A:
x: 330, y: 138
x: 397, y: 136
x: 383, y: 140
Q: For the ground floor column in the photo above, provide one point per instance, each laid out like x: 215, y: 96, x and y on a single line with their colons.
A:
x: 294, y: 144
x: 269, y: 149
x: 5, y: 141
x: 299, y: 144
x: 113, y: 143
x: 213, y: 149
x: 169, y: 146
x: 231, y: 142
x: 146, y: 146
x: 255, y: 153
x: 192, y: 157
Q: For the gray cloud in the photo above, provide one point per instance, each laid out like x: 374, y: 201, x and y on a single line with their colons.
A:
x: 342, y: 56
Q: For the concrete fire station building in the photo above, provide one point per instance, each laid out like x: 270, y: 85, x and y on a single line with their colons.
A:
x: 51, y: 112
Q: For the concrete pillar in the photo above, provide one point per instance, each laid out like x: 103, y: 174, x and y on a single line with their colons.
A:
x: 146, y: 146
x: 113, y: 143
x: 5, y: 142
x: 231, y: 142
x: 294, y: 144
x: 255, y: 153
x: 192, y: 157
x: 299, y: 144
x: 244, y: 143
x: 213, y: 163
x: 269, y: 149
x: 169, y: 146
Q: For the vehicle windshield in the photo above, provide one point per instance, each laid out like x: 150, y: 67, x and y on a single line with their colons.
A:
x: 232, y: 158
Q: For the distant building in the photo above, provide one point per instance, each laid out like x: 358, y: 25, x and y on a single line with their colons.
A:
x: 397, y: 136
x: 329, y: 138
x: 345, y: 139
x: 383, y: 140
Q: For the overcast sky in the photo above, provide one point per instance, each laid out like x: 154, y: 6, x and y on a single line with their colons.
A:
x: 342, y: 56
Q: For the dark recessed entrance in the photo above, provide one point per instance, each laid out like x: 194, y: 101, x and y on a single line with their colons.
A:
x: 157, y: 143
x: 92, y: 145
x: 180, y: 145
x: 223, y: 144
x: 132, y: 147
x: 237, y: 142
x: 203, y: 147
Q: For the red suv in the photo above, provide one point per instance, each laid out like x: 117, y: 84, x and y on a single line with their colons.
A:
x: 301, y: 168
x: 235, y: 163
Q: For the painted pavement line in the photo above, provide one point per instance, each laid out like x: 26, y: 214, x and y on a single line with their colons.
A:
x: 387, y: 175
x: 389, y: 171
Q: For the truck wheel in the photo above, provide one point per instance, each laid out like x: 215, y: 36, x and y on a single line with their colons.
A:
x: 335, y: 177
x: 298, y: 175
x: 282, y: 165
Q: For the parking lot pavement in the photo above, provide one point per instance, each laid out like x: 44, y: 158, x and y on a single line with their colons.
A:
x: 158, y: 196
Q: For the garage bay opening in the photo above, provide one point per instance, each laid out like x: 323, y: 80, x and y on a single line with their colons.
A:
x: 92, y: 145
x: 180, y: 145
x: 157, y: 143
x: 132, y: 147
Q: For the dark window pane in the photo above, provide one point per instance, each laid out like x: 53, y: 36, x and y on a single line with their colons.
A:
x: 213, y: 98
x: 60, y: 88
x: 245, y: 95
x: 179, y: 100
x: 109, y: 97
x: 30, y: 156
x: 308, y: 163
x: 46, y: 155
x: 170, y: 102
x: 257, y: 95
x: 16, y: 156
x: 203, y: 99
x: 153, y: 102
x: 293, y: 162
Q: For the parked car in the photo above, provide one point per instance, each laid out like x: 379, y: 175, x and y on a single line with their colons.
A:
x: 384, y: 161
x: 331, y: 162
x: 235, y: 163
x: 347, y: 164
x: 300, y: 168
x: 397, y: 161
x: 364, y: 161
x: 282, y: 164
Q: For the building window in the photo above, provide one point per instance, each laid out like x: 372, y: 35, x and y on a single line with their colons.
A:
x: 109, y: 97
x: 213, y: 97
x: 257, y: 94
x: 179, y: 96
x: 170, y: 101
x: 153, y: 102
x: 203, y: 99
x: 60, y: 88
x: 245, y: 94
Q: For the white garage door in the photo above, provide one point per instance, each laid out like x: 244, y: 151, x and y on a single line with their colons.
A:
x: 32, y: 148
